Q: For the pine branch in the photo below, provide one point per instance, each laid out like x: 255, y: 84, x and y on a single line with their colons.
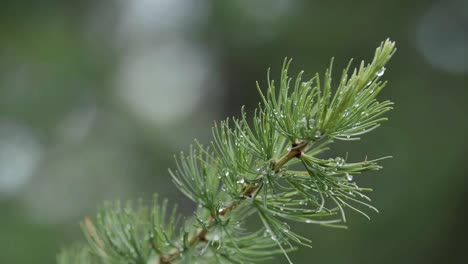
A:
x: 269, y: 167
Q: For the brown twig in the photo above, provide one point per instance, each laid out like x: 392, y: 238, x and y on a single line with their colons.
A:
x: 296, y: 151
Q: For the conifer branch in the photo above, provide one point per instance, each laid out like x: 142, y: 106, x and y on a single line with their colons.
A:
x: 269, y: 167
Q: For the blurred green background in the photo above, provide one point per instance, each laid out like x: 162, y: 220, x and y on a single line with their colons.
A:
x: 96, y: 97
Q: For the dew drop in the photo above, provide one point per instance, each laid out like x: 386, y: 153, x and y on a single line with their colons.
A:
x: 241, y: 181
x: 349, y: 177
x: 339, y: 161
x: 381, y: 72
x: 318, y: 134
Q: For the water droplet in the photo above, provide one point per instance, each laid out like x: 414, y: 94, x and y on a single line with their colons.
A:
x: 371, y: 91
x: 369, y: 83
x: 339, y: 161
x: 349, y: 177
x: 381, y: 72
x: 318, y: 134
x: 241, y: 181
x: 348, y: 136
x: 289, y: 149
x: 308, y: 221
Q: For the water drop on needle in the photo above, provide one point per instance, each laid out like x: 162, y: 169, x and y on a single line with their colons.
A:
x: 381, y: 72
x: 318, y: 134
